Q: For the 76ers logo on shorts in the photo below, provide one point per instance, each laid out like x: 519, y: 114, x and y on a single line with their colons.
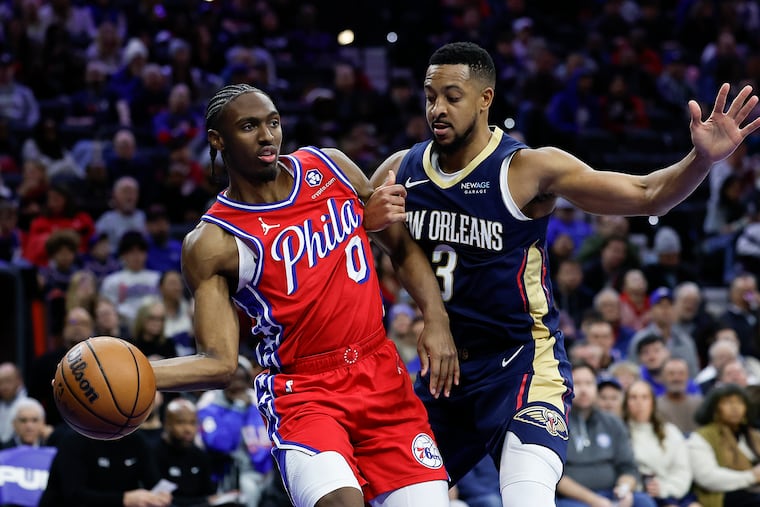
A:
x: 426, y: 452
x: 313, y: 177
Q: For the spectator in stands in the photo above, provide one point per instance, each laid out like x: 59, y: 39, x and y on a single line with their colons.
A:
x: 723, y: 351
x: 571, y: 295
x: 677, y: 405
x: 107, y: 321
x: 606, y: 226
x: 610, y: 395
x: 164, y: 251
x: 724, y: 219
x: 12, y: 391
x: 233, y: 432
x: 105, y: 48
x: 148, y: 330
x: 29, y: 428
x: 61, y: 212
x: 180, y: 460
x: 125, y: 159
x: 569, y: 220
x: 82, y: 291
x: 653, y: 353
x: 621, y: 108
x: 77, y: 327
x: 607, y: 303
x: 61, y: 249
x: 692, y: 318
x: 129, y: 286
x: 124, y: 215
x: 669, y: 269
x: 99, y: 258
x: 94, y: 473
x: 181, y: 68
x: 674, y: 86
x: 92, y: 108
x: 659, y: 448
x: 45, y: 144
x: 400, y: 319
x: 600, y: 462
x: 625, y: 372
x: 576, y: 107
x: 54, y: 279
x: 743, y: 313
x: 734, y: 372
x: 723, y: 450
x: 124, y: 83
x: 180, y: 124
x: 634, y: 300
x: 608, y: 269
x: 10, y: 233
x: 600, y: 333
x: 663, y: 324
x: 17, y: 102
x: 178, y: 325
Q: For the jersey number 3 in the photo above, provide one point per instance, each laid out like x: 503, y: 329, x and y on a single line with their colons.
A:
x: 444, y: 260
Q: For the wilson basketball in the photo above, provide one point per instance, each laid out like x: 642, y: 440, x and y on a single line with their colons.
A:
x: 104, y: 387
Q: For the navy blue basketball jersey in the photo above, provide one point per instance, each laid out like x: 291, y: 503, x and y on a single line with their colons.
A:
x: 489, y: 258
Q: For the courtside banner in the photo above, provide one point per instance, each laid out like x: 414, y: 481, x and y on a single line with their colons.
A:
x: 24, y: 474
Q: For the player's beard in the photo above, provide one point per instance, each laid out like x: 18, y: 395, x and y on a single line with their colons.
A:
x: 266, y: 174
x: 458, y: 142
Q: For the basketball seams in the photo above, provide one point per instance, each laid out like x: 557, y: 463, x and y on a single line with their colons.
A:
x: 108, y: 381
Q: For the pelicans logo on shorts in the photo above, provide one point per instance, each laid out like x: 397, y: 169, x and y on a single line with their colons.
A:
x: 426, y: 452
x: 545, y: 418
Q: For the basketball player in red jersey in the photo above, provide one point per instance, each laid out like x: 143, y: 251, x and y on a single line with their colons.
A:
x: 285, y: 242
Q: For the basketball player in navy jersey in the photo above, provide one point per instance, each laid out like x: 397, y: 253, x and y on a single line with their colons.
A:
x: 285, y: 242
x: 478, y: 202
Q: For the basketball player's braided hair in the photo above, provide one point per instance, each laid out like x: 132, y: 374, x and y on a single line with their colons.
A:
x: 216, y: 105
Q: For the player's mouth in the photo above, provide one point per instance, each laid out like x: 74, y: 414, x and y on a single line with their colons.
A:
x: 267, y: 155
x: 440, y: 128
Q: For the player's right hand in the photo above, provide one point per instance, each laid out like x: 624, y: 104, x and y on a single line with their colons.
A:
x: 386, y: 205
x: 438, y: 354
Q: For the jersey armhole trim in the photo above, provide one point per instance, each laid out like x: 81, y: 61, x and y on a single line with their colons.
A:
x: 246, y: 264
x: 506, y: 196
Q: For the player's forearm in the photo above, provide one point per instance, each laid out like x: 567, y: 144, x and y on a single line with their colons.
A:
x: 192, y: 373
x: 667, y: 187
x: 416, y: 276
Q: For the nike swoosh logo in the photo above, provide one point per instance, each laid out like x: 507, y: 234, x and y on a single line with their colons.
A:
x: 409, y: 183
x: 505, y: 361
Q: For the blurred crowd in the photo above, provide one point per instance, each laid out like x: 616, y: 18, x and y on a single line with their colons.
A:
x: 104, y: 167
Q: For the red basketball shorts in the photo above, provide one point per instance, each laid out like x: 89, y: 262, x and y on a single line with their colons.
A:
x: 360, y: 403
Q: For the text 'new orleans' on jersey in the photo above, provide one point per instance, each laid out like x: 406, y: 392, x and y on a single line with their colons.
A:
x: 489, y: 258
x: 307, y: 277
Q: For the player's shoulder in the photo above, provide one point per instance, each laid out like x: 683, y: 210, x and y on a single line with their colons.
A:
x: 208, y: 247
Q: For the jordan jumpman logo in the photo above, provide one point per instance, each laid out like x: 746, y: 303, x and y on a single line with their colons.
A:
x: 266, y: 227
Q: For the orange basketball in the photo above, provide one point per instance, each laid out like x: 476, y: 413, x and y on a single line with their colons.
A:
x: 104, y: 387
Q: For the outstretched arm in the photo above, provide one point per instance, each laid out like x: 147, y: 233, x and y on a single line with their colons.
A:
x: 435, y: 346
x: 550, y: 171
x: 209, y: 257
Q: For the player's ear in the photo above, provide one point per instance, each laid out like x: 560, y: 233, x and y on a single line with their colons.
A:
x: 486, y: 97
x: 215, y: 140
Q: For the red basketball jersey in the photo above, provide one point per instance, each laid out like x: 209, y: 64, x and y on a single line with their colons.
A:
x: 307, y: 275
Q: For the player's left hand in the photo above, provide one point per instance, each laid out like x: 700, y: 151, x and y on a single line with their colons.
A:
x: 721, y: 133
x: 386, y: 205
x: 438, y: 355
